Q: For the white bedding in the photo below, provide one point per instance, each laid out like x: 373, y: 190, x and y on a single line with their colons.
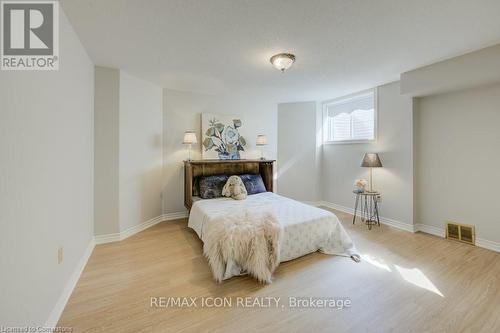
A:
x: 306, y: 229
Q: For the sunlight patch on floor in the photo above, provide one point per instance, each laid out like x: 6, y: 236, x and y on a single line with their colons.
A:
x: 411, y: 275
x: 417, y: 278
x: 375, y: 262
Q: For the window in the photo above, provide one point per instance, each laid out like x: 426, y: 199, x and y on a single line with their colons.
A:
x: 350, y: 119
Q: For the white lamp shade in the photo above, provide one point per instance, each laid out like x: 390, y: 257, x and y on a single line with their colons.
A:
x: 189, y: 137
x: 261, y: 140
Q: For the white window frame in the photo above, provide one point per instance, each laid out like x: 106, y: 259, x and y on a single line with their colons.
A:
x: 346, y: 99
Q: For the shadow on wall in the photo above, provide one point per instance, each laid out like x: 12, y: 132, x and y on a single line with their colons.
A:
x: 156, y: 141
x: 150, y: 183
x: 173, y: 177
x: 151, y: 193
x: 141, y: 184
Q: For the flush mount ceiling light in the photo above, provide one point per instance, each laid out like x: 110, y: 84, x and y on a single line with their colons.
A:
x: 282, y: 61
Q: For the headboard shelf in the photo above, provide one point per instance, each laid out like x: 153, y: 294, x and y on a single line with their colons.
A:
x: 196, y: 168
x: 226, y: 161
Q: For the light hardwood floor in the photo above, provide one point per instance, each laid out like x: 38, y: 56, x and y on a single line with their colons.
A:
x: 405, y: 283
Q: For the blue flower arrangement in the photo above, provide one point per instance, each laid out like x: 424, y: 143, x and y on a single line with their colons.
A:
x: 224, y: 139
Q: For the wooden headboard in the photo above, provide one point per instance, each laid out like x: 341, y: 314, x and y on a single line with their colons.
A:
x: 196, y: 168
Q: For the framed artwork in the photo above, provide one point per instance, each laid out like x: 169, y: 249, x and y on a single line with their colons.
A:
x: 222, y: 137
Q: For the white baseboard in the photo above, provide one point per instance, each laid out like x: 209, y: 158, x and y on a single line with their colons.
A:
x: 175, y: 216
x: 109, y: 238
x: 331, y: 205
x: 70, y: 285
x: 429, y: 229
x: 312, y: 203
x: 487, y: 244
x: 140, y: 227
x: 440, y: 232
x: 398, y: 224
x: 384, y: 220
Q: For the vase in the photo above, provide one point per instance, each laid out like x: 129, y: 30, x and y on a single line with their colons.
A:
x: 229, y: 155
x: 359, y: 190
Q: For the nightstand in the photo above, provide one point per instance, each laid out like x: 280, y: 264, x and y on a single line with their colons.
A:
x: 367, y: 203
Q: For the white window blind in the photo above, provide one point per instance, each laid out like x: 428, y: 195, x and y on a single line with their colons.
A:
x: 350, y: 119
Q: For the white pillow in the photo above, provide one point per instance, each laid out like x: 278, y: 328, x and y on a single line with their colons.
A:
x: 235, y: 188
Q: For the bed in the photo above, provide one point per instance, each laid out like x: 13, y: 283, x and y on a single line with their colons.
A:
x: 305, y: 228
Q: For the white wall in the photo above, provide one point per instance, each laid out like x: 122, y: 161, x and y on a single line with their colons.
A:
x: 182, y: 111
x: 46, y: 172
x: 341, y: 162
x: 128, y: 140
x: 464, y: 72
x: 298, y: 154
x: 457, y: 157
x: 140, y: 151
x: 106, y: 150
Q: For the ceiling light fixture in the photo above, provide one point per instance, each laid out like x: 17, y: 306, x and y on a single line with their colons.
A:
x: 282, y: 61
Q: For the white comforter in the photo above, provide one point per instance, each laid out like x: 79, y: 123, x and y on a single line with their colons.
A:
x: 306, y: 229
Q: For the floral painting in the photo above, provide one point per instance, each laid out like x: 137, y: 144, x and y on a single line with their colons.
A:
x: 221, y: 137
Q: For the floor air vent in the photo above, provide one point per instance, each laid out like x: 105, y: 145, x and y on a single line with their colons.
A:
x: 461, y: 232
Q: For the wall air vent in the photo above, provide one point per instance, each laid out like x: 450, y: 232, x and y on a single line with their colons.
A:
x: 461, y: 232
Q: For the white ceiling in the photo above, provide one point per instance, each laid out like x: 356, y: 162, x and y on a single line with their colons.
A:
x: 224, y: 46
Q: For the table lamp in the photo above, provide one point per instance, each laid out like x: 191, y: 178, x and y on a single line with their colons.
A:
x: 371, y: 160
x: 189, y: 139
x: 261, y: 141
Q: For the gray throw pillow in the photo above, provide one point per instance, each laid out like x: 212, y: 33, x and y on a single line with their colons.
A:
x: 253, y: 183
x: 211, y: 186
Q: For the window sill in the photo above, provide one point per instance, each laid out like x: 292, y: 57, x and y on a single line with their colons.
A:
x: 347, y: 142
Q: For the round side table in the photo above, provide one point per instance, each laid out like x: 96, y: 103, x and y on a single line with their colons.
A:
x: 367, y: 203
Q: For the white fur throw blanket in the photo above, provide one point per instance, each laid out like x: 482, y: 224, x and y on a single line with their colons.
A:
x: 251, y: 240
